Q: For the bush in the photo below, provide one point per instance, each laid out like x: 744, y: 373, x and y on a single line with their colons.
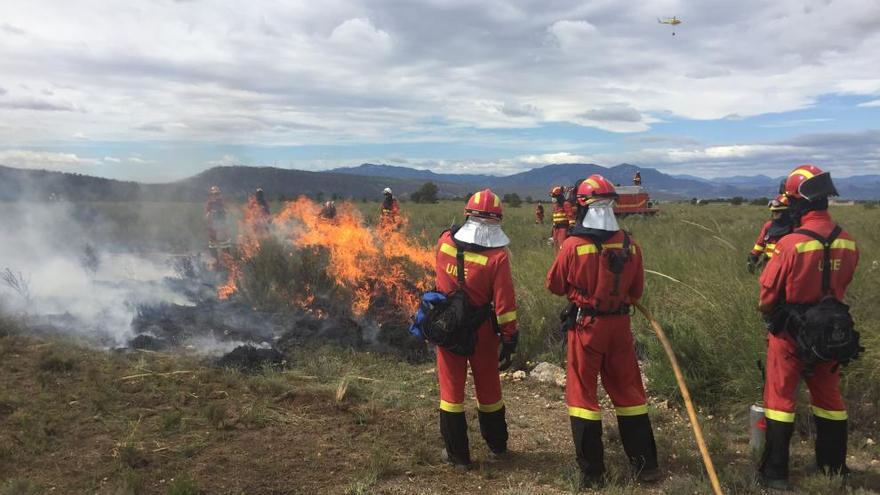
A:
x: 280, y: 273
x: 512, y: 200
x: 426, y: 194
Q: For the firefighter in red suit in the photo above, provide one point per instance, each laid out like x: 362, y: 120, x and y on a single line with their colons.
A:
x: 487, y: 281
x: 562, y: 214
x: 599, y: 269
x: 390, y: 210
x: 794, y: 275
x: 773, y: 230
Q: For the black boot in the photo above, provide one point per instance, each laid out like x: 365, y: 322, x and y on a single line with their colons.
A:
x: 637, y: 437
x: 831, y: 446
x: 587, y: 435
x: 773, y: 471
x: 453, y: 428
x: 493, y: 427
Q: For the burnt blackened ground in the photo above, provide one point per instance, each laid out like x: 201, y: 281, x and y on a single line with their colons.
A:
x: 209, y: 324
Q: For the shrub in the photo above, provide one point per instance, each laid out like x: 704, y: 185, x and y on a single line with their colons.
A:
x: 426, y: 194
x: 280, y: 273
x: 513, y: 200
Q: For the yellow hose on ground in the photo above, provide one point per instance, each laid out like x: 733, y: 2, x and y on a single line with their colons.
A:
x: 692, y: 413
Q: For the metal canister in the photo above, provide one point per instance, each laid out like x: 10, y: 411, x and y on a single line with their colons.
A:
x: 757, y: 427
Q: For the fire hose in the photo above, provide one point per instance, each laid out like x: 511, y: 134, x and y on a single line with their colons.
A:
x: 692, y: 413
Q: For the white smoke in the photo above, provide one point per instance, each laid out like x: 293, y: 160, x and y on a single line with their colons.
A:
x: 57, y: 276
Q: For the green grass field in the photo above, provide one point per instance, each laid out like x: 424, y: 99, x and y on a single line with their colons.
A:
x: 73, y: 415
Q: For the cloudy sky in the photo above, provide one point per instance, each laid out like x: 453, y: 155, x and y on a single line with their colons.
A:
x: 157, y: 90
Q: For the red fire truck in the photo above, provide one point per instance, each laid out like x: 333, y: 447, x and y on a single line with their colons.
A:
x: 634, y: 200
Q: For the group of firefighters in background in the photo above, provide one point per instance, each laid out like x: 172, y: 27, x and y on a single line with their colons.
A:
x: 564, y: 201
x: 598, y: 268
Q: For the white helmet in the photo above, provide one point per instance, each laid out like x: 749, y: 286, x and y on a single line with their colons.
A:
x: 387, y: 190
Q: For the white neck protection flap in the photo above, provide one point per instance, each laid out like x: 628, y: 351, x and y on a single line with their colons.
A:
x: 600, y: 216
x: 482, y: 232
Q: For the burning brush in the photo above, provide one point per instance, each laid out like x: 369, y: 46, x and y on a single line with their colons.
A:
x: 383, y: 270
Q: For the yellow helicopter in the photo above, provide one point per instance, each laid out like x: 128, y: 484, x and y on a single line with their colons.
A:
x: 672, y: 21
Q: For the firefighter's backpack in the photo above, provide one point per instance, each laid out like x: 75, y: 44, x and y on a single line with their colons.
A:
x: 825, y: 332
x: 609, y: 295
x: 448, y: 320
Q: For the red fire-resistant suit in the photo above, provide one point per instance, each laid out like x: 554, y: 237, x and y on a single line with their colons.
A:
x: 389, y: 213
x: 765, y: 244
x: 794, y: 275
x: 562, y: 218
x: 487, y: 280
x: 602, y: 345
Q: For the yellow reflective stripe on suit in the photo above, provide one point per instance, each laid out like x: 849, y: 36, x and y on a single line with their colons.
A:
x: 827, y: 414
x: 782, y: 416
x: 468, y: 256
x: 506, y: 317
x: 451, y: 407
x: 814, y: 245
x: 582, y: 413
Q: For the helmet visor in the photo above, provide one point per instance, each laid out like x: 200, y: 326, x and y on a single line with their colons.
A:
x: 817, y: 187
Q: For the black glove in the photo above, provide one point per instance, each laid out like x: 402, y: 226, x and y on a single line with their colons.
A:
x: 508, y: 349
x: 753, y: 261
x: 568, y: 318
x: 776, y: 320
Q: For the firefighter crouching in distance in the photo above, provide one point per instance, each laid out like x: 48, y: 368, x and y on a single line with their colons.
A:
x: 561, y: 214
x: 599, y: 269
x: 487, y: 283
x: 219, y: 236
x: 799, y: 274
x: 389, y: 211
x: 539, y: 213
x: 637, y: 178
x: 774, y: 229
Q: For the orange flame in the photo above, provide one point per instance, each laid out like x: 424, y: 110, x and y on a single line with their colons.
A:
x: 253, y: 227
x: 381, y: 264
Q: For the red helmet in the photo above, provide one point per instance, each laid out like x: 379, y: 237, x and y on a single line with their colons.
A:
x: 779, y: 203
x: 484, y: 204
x: 595, y: 187
x: 557, y: 191
x: 809, y: 182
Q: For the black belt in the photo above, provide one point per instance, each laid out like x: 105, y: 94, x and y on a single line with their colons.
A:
x: 591, y: 311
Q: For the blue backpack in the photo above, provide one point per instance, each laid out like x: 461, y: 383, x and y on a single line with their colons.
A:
x: 448, y: 320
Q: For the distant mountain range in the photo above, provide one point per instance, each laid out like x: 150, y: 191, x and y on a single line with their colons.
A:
x: 368, y: 180
x: 538, y: 181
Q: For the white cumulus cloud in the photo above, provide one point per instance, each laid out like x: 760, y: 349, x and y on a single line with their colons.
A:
x: 43, y: 159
